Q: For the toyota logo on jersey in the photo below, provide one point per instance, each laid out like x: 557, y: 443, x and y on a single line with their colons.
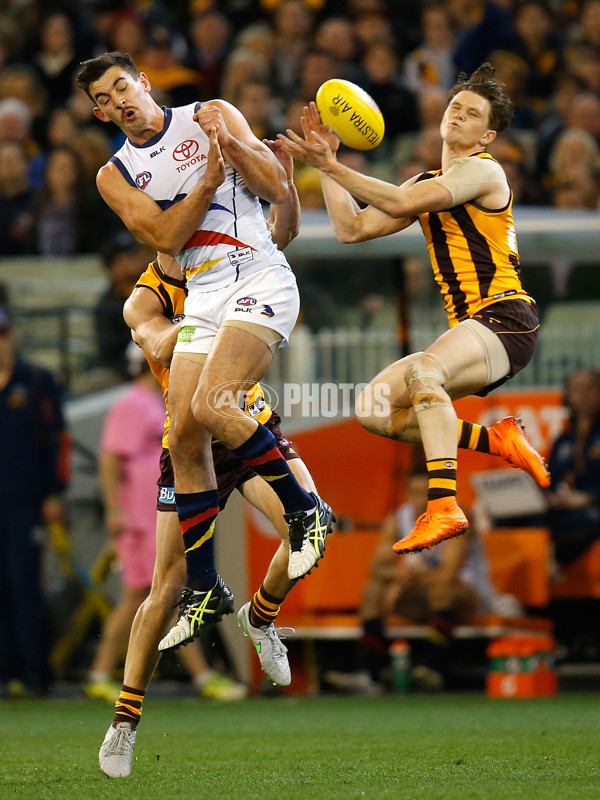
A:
x: 143, y: 179
x: 186, y: 150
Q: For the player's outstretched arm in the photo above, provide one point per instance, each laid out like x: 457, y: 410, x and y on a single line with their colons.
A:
x: 284, y: 219
x: 168, y: 230
x: 150, y: 329
x: 350, y: 222
x: 263, y: 174
x: 399, y: 202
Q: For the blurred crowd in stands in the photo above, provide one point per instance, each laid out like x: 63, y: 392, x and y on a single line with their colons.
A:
x: 269, y: 57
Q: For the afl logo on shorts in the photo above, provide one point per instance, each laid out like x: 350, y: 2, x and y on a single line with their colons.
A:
x: 186, y: 150
x: 143, y: 179
x: 246, y: 301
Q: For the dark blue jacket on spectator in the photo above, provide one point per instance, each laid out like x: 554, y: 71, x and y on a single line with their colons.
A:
x: 580, y: 471
x: 32, y: 455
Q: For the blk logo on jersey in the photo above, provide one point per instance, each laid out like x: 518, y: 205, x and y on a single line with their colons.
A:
x: 267, y: 311
x: 186, y: 150
x: 142, y: 180
x: 246, y: 301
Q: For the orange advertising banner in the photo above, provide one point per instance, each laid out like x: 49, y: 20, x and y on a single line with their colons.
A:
x: 363, y: 476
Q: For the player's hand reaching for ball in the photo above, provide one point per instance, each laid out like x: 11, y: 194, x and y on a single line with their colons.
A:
x: 284, y: 158
x: 311, y: 121
x: 215, y: 165
x: 318, y: 148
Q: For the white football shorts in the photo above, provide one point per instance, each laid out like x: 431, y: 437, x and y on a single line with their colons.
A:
x: 269, y: 298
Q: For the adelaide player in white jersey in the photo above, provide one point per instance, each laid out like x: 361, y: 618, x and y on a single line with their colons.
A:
x: 242, y: 304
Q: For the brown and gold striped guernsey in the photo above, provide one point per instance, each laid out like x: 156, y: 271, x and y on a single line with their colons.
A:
x: 474, y: 255
x: 172, y: 292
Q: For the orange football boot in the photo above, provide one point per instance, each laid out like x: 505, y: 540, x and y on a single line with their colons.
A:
x: 442, y: 520
x: 509, y: 440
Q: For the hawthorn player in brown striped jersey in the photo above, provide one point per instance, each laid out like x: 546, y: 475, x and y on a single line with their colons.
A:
x: 465, y: 211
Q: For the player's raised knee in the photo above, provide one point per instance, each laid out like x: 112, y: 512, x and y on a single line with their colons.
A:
x: 372, y: 406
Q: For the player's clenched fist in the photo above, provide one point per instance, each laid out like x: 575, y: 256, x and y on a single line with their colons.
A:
x: 209, y: 117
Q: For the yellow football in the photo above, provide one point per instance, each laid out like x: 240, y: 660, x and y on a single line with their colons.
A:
x: 352, y: 114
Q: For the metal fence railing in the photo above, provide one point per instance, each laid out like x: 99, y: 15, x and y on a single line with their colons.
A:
x: 63, y: 339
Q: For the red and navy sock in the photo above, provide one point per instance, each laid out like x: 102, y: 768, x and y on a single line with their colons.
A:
x: 197, y: 514
x: 262, y: 455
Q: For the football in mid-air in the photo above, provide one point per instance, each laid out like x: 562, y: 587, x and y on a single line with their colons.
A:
x: 351, y: 113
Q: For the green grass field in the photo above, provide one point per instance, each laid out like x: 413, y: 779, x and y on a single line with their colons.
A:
x: 421, y: 747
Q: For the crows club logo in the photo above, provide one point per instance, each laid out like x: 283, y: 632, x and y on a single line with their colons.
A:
x: 246, y: 301
x: 186, y: 150
x: 142, y: 179
x: 267, y: 311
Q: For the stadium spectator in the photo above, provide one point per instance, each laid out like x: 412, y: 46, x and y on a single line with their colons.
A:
x: 383, y: 82
x: 33, y: 474
x: 553, y: 119
x: 537, y: 43
x: 129, y: 456
x: 481, y: 26
x: 125, y: 260
x: 440, y: 588
x: 373, y: 27
x: 15, y: 125
x: 292, y: 24
x: 259, y: 38
x: 56, y: 60
x: 210, y: 34
x: 65, y: 213
x: 431, y: 64
x: 574, y: 462
x: 21, y: 82
x: 177, y: 84
x: 574, y: 164
x: 335, y: 35
x: 317, y: 67
x: 94, y: 148
x: 16, y: 199
x: 240, y: 67
x: 126, y: 31
x: 62, y: 131
x: 583, y: 62
x: 583, y: 114
x: 255, y: 101
x: 511, y: 72
x: 586, y: 31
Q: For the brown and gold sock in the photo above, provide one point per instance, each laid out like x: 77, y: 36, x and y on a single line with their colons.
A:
x: 473, y: 437
x: 264, y: 608
x: 128, y: 707
x: 442, y: 478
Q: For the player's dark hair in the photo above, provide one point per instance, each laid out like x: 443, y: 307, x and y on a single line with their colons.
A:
x: 482, y: 83
x: 94, y: 68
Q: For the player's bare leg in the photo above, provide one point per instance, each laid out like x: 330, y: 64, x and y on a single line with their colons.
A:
x: 237, y: 360
x: 205, y: 598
